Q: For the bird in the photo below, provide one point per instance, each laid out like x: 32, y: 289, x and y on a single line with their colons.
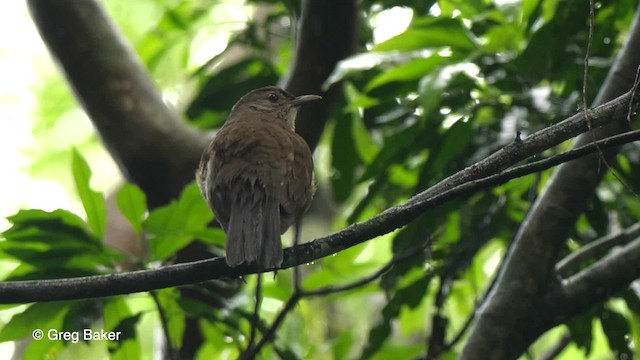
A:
x: 256, y: 175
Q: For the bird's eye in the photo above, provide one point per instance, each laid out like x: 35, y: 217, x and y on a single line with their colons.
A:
x: 273, y: 97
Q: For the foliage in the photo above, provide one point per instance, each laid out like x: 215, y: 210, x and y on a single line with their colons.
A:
x: 447, y: 91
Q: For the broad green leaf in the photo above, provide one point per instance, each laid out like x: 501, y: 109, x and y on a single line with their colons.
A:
x: 119, y: 317
x: 132, y: 202
x: 581, y: 329
x: 128, y: 347
x: 360, y: 62
x: 431, y: 32
x: 468, y: 8
x: 45, y: 348
x: 352, y: 144
x: 92, y: 201
x: 176, y: 322
x: 43, y: 316
x: 502, y: 38
x: 434, y: 84
x: 409, y: 296
x: 616, y: 328
x: 412, y: 70
x: 41, y: 218
x: 174, y: 226
x: 54, y: 242
x: 211, y: 235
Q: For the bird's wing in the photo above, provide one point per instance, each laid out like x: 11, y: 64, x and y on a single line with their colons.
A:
x: 299, y: 187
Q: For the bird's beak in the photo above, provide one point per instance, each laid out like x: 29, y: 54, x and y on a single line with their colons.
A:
x: 303, y: 99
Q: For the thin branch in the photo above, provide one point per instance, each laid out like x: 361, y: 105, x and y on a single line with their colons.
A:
x: 591, y: 286
x: 585, y: 73
x: 203, y: 270
x: 585, y: 82
x: 164, y: 321
x: 436, y: 343
x: 288, y: 307
x: 255, y: 319
x: 596, y: 249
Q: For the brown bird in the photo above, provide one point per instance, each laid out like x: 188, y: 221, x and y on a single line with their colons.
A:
x: 257, y: 175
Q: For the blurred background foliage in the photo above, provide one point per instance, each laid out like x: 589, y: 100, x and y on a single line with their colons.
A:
x: 435, y: 86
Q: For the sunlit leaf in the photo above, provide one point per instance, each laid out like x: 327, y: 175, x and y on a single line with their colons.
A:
x: 42, y: 316
x: 616, y: 328
x: 174, y: 316
x: 431, y: 32
x: 132, y: 203
x: 92, y: 201
x: 174, y: 226
x: 119, y: 318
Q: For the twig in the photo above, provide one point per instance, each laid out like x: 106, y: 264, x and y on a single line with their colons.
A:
x: 296, y: 242
x: 288, y: 307
x: 439, y: 323
x: 255, y: 320
x: 164, y: 321
x: 585, y: 84
x: 585, y: 73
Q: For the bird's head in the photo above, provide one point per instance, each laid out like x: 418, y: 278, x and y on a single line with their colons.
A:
x: 273, y: 100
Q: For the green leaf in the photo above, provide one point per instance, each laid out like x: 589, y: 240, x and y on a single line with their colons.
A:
x: 40, y: 218
x: 176, y: 322
x: 54, y: 243
x: 43, y: 316
x: 128, y: 346
x: 412, y: 70
x: 92, y: 201
x: 431, y: 32
x: 581, y: 329
x: 616, y: 328
x: 360, y: 62
x: 118, y: 317
x: 434, y: 84
x: 174, y: 226
x: 409, y: 296
x: 132, y: 202
x: 344, y: 164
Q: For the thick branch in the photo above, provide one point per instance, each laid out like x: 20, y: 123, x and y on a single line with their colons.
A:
x: 189, y: 273
x: 328, y: 31
x: 529, y: 266
x: 152, y: 145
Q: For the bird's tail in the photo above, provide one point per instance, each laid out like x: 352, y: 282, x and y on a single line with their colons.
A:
x: 253, y: 232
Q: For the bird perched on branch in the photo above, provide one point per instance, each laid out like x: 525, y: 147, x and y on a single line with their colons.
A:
x: 257, y: 175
